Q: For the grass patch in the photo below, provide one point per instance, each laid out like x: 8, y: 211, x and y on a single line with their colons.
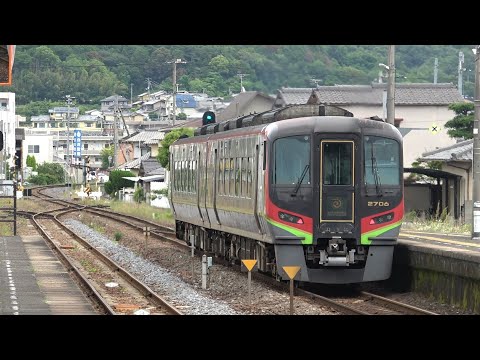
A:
x: 144, y: 211
x: 88, y: 266
x: 118, y: 236
x: 98, y: 228
x: 438, y: 223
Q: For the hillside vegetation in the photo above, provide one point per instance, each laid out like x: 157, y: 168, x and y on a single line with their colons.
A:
x: 92, y: 72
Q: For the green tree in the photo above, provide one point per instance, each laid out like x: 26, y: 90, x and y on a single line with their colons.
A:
x: 163, y: 156
x: 104, y: 154
x: 32, y: 162
x: 116, y: 181
x: 461, y: 126
x: 48, y: 173
x: 182, y: 116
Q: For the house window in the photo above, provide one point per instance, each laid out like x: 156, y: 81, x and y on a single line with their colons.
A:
x: 41, y: 125
x: 85, y: 146
x: 33, y: 149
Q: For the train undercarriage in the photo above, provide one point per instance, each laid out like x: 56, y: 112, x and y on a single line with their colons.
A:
x: 232, y: 248
x: 327, y: 254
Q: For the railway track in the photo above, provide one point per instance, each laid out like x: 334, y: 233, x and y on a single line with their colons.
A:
x: 363, y: 303
x: 109, y: 285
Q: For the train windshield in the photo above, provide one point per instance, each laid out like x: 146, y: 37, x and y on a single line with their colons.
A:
x: 292, y: 160
x: 381, y: 161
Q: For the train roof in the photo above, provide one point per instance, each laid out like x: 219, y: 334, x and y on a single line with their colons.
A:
x: 298, y: 119
x: 269, y: 116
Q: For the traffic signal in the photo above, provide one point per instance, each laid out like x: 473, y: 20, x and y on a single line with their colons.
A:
x: 208, y: 118
x: 18, y: 159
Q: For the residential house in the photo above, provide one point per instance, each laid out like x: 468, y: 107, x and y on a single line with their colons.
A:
x: 152, y: 176
x: 8, y: 124
x: 39, y: 146
x: 186, y: 104
x: 109, y: 103
x: 63, y: 113
x: 455, y: 180
x: 245, y: 103
x: 143, y: 142
x: 134, y: 165
x: 421, y: 110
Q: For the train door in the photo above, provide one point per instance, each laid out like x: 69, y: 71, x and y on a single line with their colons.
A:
x: 337, y: 182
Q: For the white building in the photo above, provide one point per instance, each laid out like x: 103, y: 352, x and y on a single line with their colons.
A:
x: 8, y: 123
x: 38, y: 145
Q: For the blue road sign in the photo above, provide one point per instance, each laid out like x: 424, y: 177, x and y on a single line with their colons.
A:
x: 77, y: 143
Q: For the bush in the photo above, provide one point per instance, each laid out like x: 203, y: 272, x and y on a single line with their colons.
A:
x: 139, y: 195
x: 118, y: 236
x: 116, y: 181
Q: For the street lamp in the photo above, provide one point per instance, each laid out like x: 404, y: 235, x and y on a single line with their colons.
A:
x: 69, y: 100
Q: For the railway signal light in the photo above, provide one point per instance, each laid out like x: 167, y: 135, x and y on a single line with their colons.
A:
x: 208, y: 118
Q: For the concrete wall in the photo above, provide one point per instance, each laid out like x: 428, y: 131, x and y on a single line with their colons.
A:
x: 417, y: 197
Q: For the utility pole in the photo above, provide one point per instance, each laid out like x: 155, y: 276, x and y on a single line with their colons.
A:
x: 115, y: 134
x: 435, y: 71
x: 174, y: 77
x: 241, y: 81
x: 131, y: 94
x: 391, y: 86
x: 461, y: 59
x: 69, y: 101
x: 149, y: 83
x: 476, y: 150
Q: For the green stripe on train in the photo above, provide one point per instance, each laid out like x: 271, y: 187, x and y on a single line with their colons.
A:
x: 365, y: 237
x: 293, y: 231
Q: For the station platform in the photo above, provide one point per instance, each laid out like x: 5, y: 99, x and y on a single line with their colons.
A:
x: 34, y: 282
x: 442, y: 266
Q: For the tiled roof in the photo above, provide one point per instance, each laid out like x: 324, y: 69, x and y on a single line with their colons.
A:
x: 40, y: 118
x: 240, y: 102
x: 405, y: 94
x: 151, y: 166
x: 145, y: 136
x: 461, y: 151
x: 295, y: 95
x: 64, y: 109
x: 112, y: 98
x: 155, y: 140
x: 134, y: 164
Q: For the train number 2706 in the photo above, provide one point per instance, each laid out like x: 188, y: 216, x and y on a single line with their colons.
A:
x: 378, y: 203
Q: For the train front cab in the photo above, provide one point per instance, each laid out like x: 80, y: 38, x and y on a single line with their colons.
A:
x: 340, y: 217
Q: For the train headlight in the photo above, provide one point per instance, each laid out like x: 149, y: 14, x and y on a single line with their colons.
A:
x: 290, y: 218
x: 381, y: 219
